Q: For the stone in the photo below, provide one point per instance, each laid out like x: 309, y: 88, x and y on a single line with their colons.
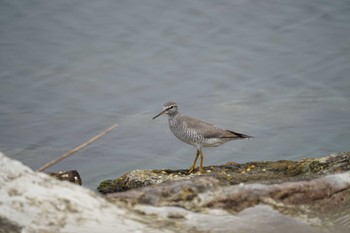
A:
x: 315, y: 191
x: 71, y: 176
x: 267, y: 172
x: 322, y: 195
x: 35, y: 202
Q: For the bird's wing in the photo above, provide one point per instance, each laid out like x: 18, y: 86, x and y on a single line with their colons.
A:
x: 208, y: 130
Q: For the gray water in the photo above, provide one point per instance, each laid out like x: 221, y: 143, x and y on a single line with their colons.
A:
x: 278, y: 70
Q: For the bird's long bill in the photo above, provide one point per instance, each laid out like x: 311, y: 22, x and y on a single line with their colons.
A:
x: 161, y: 113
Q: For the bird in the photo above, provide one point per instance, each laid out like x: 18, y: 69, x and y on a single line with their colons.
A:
x: 196, y: 132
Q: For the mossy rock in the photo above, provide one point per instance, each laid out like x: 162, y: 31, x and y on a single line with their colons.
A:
x: 265, y: 172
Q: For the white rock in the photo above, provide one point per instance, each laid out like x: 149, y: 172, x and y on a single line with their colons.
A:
x: 35, y: 202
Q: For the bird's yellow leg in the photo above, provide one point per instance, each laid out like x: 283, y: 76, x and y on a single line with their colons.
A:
x: 194, y: 163
x: 201, y: 163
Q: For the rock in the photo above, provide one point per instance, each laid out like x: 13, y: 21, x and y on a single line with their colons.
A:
x: 36, y: 202
x: 141, y: 178
x: 202, y: 203
x: 267, y: 172
x: 261, y: 218
x: 322, y: 195
x: 312, y: 193
x: 71, y: 176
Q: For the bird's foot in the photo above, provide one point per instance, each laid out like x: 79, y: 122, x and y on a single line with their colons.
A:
x: 191, y: 170
x: 201, y: 171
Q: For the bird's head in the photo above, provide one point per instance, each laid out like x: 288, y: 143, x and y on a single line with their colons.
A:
x: 169, y: 108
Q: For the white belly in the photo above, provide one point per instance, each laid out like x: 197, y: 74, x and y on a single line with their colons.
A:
x: 212, y: 142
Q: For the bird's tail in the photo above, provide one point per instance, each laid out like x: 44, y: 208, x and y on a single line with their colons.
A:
x: 239, y: 135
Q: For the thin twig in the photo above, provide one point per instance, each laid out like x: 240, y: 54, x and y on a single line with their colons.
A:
x: 47, y: 165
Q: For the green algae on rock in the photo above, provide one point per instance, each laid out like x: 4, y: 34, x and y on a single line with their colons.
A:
x: 266, y: 172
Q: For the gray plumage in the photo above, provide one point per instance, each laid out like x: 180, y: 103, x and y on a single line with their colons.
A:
x: 197, y: 132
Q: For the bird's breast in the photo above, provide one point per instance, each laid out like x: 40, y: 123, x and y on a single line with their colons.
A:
x: 184, y: 133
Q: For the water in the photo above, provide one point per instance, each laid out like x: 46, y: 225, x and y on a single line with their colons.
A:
x: 274, y: 69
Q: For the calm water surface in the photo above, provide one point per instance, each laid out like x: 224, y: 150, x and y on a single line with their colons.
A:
x: 278, y: 70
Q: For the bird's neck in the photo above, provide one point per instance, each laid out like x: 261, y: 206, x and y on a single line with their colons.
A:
x: 173, y: 117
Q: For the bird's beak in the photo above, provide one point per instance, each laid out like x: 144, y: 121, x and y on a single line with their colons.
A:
x: 161, y: 113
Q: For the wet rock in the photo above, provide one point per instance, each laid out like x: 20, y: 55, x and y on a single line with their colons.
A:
x: 71, y: 176
x: 266, y: 172
x: 141, y: 178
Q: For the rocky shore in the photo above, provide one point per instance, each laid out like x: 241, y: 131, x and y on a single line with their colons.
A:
x: 310, y: 195
x: 263, y: 172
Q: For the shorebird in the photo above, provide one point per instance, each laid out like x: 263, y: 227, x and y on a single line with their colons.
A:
x: 197, y: 132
